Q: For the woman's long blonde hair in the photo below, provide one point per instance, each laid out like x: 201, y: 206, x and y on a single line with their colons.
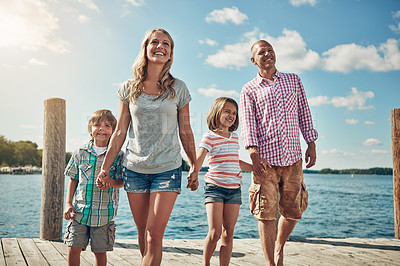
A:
x: 139, y: 71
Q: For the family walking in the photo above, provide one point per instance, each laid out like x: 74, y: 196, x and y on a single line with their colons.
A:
x: 154, y: 117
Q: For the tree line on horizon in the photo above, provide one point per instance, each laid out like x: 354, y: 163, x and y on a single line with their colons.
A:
x: 370, y: 171
x: 22, y: 153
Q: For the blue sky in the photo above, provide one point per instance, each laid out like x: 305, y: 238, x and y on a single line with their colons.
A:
x: 345, y: 51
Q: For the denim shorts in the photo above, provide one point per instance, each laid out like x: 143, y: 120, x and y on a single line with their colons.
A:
x: 147, y: 183
x: 213, y: 193
x: 101, y: 238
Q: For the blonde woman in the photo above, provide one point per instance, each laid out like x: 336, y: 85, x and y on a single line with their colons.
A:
x: 155, y: 107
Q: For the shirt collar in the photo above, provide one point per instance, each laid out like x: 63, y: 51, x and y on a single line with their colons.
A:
x: 260, y: 79
x: 89, y: 147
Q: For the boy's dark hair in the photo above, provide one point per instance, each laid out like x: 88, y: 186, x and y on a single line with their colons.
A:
x: 99, y: 116
x: 215, y: 113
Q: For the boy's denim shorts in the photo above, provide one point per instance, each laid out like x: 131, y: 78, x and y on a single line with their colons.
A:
x: 101, y: 238
x: 214, y: 193
x: 147, y: 183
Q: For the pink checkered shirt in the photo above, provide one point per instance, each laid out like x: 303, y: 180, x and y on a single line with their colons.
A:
x: 272, y: 115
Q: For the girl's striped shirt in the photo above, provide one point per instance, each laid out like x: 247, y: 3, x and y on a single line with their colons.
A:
x: 223, y: 160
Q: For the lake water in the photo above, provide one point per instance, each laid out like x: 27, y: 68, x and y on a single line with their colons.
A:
x: 340, y: 206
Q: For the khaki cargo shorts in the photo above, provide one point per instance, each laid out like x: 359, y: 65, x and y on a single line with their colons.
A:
x: 286, y: 180
x: 101, y: 238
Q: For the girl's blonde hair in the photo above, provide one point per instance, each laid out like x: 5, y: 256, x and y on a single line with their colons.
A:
x: 213, y: 117
x: 99, y: 116
x: 139, y: 71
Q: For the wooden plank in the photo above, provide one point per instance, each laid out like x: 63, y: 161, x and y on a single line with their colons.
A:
x: 128, y: 250
x: 12, y: 252
x: 88, y: 256
x: 31, y: 252
x: 351, y: 251
x: 177, y: 252
x: 2, y: 260
x: 247, y: 252
x: 51, y: 254
x: 115, y: 259
x: 63, y: 249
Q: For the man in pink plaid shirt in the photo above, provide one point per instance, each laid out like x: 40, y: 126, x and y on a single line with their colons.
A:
x: 273, y: 111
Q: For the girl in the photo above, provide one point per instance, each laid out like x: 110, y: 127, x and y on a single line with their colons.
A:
x: 222, y: 193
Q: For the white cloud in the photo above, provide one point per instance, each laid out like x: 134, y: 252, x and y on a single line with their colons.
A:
x: 347, y: 57
x: 292, y: 54
x: 375, y: 152
x: 369, y: 123
x: 225, y: 15
x: 29, y: 25
x: 231, y: 56
x: 351, y: 121
x: 83, y: 19
x: 136, y: 2
x: 355, y: 101
x: 319, y: 100
x: 213, y: 92
x: 89, y: 4
x: 36, y: 62
x: 396, y: 27
x: 208, y: 42
x: 372, y: 142
x: 302, y: 2
x: 337, y: 153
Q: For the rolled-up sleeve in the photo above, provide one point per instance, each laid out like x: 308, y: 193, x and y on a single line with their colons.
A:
x: 248, y: 119
x: 305, y: 119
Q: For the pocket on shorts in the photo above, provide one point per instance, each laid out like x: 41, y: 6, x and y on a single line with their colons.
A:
x: 111, y: 234
x: 67, y: 233
x: 254, y: 198
x: 304, y: 198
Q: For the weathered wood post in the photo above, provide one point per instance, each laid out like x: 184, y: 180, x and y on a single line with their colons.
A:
x: 395, y: 118
x: 51, y: 214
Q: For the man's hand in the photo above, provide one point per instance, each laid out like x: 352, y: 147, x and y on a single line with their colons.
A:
x: 311, y: 155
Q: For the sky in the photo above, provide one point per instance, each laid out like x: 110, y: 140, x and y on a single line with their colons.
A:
x: 346, y: 53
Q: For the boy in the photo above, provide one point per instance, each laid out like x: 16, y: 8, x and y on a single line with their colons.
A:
x: 93, y: 212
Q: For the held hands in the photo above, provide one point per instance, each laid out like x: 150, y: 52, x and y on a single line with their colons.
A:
x: 259, y: 164
x: 311, y: 155
x: 69, y: 212
x: 193, y: 180
x: 103, y: 180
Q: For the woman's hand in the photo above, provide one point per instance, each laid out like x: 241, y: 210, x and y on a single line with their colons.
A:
x: 102, y: 180
x: 193, y: 179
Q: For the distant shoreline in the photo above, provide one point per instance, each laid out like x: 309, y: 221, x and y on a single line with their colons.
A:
x: 354, y: 171
x: 371, y: 171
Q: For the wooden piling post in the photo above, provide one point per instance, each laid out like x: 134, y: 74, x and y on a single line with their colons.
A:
x: 395, y: 120
x: 53, y: 164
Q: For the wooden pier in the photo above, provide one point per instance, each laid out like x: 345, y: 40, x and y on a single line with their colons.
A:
x: 310, y: 251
